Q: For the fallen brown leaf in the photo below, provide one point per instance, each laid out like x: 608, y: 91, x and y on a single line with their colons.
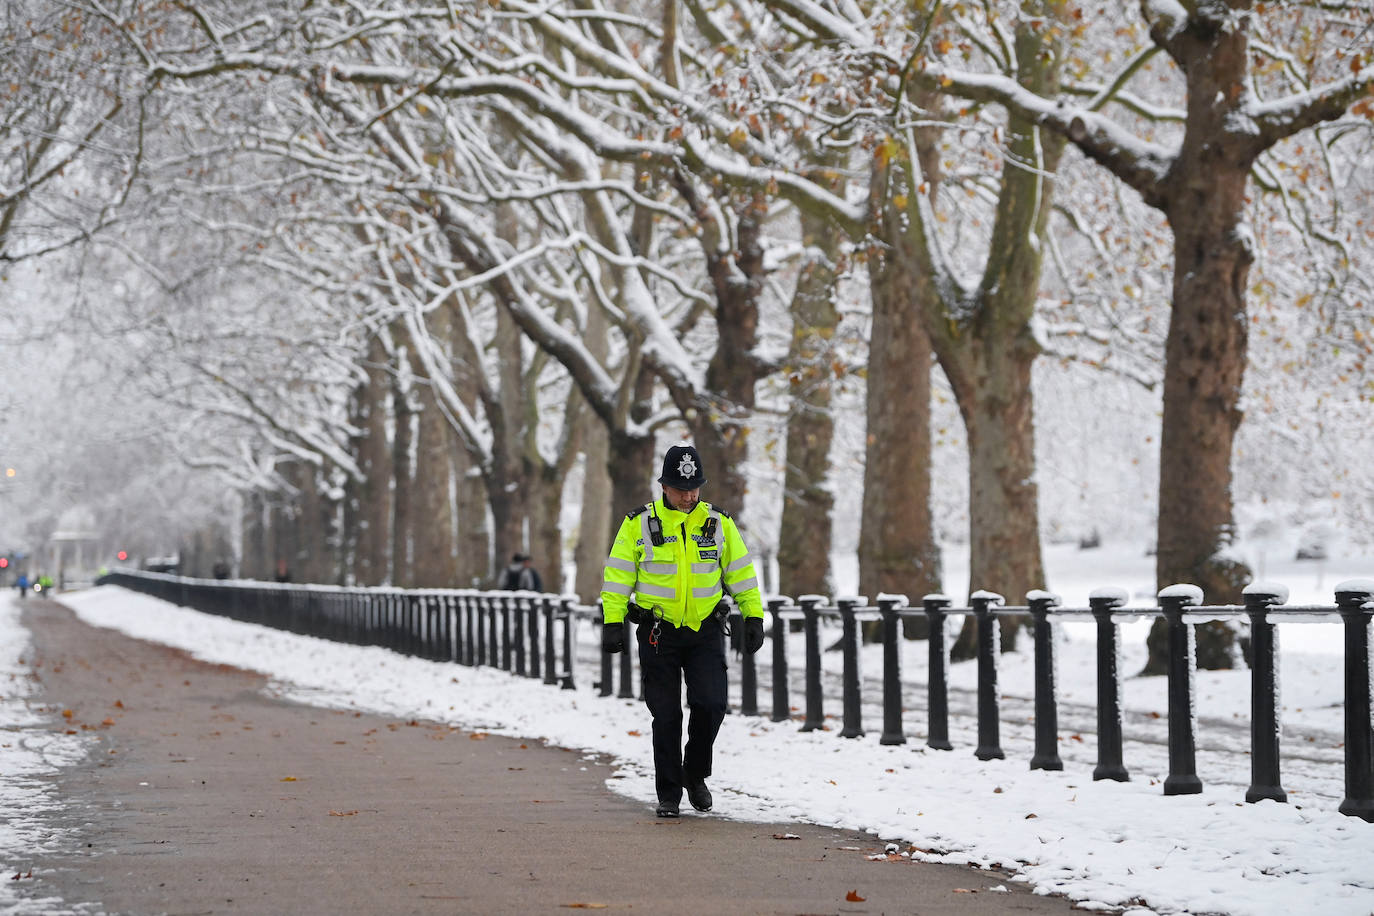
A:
x: 633, y: 733
x: 853, y: 897
x: 477, y: 736
x: 67, y: 714
x: 288, y: 779
x: 107, y: 721
x: 585, y: 906
x: 786, y: 836
x: 342, y: 813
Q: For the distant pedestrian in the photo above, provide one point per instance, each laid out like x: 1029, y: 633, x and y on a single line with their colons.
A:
x: 521, y: 575
x: 22, y: 583
x: 678, y: 557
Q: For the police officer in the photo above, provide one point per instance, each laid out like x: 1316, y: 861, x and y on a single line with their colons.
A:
x: 677, y: 556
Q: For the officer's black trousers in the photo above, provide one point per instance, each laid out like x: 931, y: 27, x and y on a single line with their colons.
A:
x: 699, y: 658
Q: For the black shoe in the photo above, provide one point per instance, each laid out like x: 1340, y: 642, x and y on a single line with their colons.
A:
x: 698, y: 794
x: 667, y: 809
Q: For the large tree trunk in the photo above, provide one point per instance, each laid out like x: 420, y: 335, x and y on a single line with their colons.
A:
x: 804, y: 535
x: 253, y: 564
x: 594, y: 531
x: 722, y: 431
x: 403, y: 515
x: 374, y: 499
x: 433, y: 532
x: 897, y: 549
x: 314, y: 560
x: 1206, y: 349
x: 632, y: 462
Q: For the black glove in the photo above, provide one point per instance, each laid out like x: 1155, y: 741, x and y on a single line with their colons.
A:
x: 613, y: 637
x: 753, y: 634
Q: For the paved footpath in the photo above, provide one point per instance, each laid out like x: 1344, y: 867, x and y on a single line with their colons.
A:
x: 205, y: 795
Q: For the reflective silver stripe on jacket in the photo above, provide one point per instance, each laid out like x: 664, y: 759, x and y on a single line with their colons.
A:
x: 658, y: 569
x: 616, y: 588
x: 751, y: 582
x: 622, y: 565
x: 699, y: 568
x: 655, y: 591
x: 739, y: 564
x: 706, y: 591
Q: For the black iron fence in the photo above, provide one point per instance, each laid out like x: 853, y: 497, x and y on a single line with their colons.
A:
x: 533, y: 636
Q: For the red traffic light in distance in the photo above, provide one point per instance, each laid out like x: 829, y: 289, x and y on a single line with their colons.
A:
x: 122, y: 555
x: 4, y: 562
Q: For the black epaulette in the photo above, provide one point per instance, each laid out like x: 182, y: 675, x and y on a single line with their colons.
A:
x: 722, y: 512
x: 635, y: 513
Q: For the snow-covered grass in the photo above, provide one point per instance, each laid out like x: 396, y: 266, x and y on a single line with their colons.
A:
x: 1106, y: 844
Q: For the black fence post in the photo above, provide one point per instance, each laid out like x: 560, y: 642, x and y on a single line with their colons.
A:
x: 748, y: 678
x: 607, y: 659
x: 937, y: 686
x: 477, y: 607
x: 782, y: 711
x: 627, y: 674
x: 550, y: 657
x: 853, y: 712
x: 491, y: 609
x: 1175, y: 601
x: 1264, y: 693
x: 989, y: 647
x: 1355, y: 599
x: 532, y: 615
x: 517, y: 612
x: 892, y: 669
x: 507, y: 643
x: 1104, y: 602
x: 569, y: 621
x: 815, y: 704
x: 1046, y: 756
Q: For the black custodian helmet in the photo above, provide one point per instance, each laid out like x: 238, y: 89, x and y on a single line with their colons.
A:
x: 682, y: 468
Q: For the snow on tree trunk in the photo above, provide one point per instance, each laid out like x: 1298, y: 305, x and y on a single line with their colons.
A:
x: 594, y: 531
x: 432, y: 535
x: 403, y: 514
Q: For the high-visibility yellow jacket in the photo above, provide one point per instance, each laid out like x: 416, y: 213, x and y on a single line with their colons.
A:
x: 682, y: 580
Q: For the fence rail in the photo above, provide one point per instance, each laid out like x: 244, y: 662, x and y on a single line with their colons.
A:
x: 516, y: 632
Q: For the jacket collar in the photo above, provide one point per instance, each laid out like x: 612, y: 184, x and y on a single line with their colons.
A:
x: 673, y: 519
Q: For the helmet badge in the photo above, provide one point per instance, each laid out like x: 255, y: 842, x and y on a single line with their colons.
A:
x: 687, y: 468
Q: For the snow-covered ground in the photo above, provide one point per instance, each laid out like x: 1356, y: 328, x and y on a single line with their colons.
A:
x: 1106, y: 844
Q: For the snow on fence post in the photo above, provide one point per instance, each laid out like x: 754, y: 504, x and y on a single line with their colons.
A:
x: 815, y: 711
x: 989, y: 647
x: 1046, y: 756
x: 1355, y: 600
x: 1103, y: 602
x: 937, y: 687
x: 849, y: 679
x: 892, y: 669
x: 1175, y: 601
x: 782, y: 710
x: 1264, y: 692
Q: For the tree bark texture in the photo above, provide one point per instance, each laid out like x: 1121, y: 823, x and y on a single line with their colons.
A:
x: 403, y: 514
x: 805, y: 533
x: 433, y: 528
x: 594, y: 527
x: 721, y: 429
x: 374, y: 458
x: 897, y: 549
x: 1204, y: 199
